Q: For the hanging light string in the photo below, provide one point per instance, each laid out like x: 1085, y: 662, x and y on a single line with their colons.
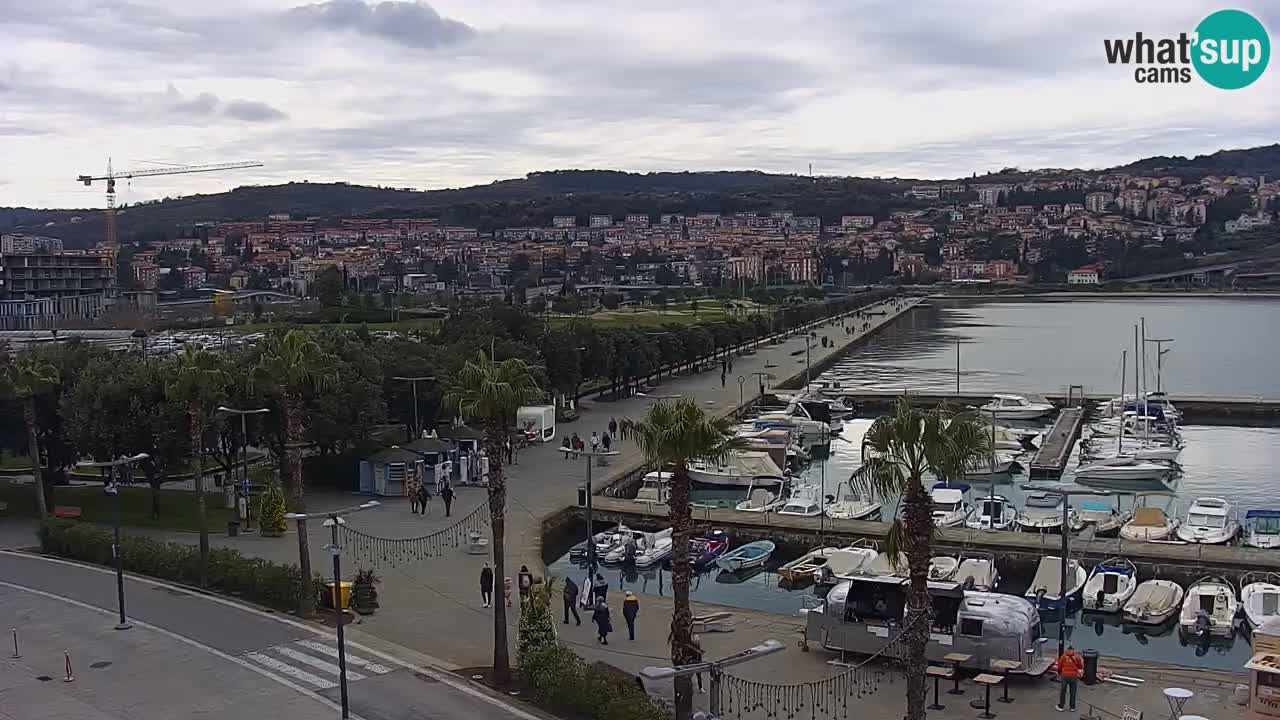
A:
x: 380, y: 551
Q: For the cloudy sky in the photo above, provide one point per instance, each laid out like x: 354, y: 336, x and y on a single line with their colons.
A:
x: 456, y: 92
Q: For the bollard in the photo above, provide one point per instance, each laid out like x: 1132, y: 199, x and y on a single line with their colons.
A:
x: 16, y: 654
x: 67, y: 656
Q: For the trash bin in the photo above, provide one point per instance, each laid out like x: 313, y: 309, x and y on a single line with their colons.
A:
x: 343, y: 597
x: 1090, y: 667
x: 582, y: 496
x: 233, y: 528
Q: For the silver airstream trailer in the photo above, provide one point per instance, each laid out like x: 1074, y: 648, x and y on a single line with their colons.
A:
x: 862, y: 614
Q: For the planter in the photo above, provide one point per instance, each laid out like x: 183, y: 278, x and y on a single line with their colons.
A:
x: 271, y: 533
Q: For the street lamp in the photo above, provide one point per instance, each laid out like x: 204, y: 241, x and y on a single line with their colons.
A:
x: 333, y: 520
x: 111, y: 487
x: 591, y: 543
x: 413, y: 382
x: 715, y: 668
x: 244, y: 453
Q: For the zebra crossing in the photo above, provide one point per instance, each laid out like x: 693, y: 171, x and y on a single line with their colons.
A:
x: 314, y: 663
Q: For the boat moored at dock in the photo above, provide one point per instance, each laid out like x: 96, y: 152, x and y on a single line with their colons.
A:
x: 741, y: 467
x: 1046, y: 587
x: 994, y: 512
x: 1209, y: 608
x: 1008, y: 406
x: 745, y: 557
x: 1110, y: 585
x: 950, y: 508
x: 1259, y: 597
x: 1262, y: 528
x: 1153, y: 602
x: 1209, y: 521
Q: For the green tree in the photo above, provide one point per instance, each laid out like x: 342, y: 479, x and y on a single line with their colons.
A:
x: 488, y: 393
x: 291, y: 366
x: 329, y: 286
x: 28, y: 378
x: 672, y: 434
x: 898, y: 451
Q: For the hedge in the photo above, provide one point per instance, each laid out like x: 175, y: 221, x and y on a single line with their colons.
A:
x: 254, y: 579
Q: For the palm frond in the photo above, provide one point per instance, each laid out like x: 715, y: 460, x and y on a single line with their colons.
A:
x: 674, y: 432
x: 492, y: 391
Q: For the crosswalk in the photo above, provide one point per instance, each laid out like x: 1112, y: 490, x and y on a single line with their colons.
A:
x: 314, y: 663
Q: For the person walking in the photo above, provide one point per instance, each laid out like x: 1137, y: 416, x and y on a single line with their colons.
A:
x: 486, y: 585
x: 595, y: 441
x: 630, y: 607
x: 697, y: 658
x: 566, y: 447
x: 415, y: 494
x: 571, y: 601
x: 424, y: 498
x: 613, y: 427
x: 447, y: 496
x: 600, y: 616
x: 1070, y: 667
x: 577, y: 446
x: 525, y: 578
x: 722, y: 378
x: 606, y: 441
x: 599, y: 588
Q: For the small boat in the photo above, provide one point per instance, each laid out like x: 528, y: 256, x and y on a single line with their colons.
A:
x: 851, y: 505
x: 605, y: 541
x: 745, y: 557
x: 1043, y: 513
x: 943, y: 567
x: 1259, y: 597
x: 1153, y: 602
x: 1110, y: 585
x: 740, y: 468
x: 844, y: 563
x: 703, y: 551
x: 642, y: 549
x: 805, y: 501
x: 764, y: 495
x: 1209, y: 521
x: 1150, y: 524
x: 1262, y: 529
x: 950, y: 509
x: 1123, y: 469
x: 977, y: 571
x: 994, y: 512
x: 802, y: 567
x: 1209, y: 608
x: 1015, y: 407
x: 886, y: 565
x: 655, y: 487
x: 1105, y: 519
x: 1000, y: 464
x: 1046, y: 586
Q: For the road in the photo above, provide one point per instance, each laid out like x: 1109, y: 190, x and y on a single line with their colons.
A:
x: 189, y: 655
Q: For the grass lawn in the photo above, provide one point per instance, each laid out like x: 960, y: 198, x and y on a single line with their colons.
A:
x: 12, y: 461
x: 404, y: 325
x: 177, y: 508
x: 650, y: 317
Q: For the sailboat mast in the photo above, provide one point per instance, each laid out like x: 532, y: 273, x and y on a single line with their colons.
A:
x: 1124, y: 369
x: 1146, y: 424
x: 1135, y: 375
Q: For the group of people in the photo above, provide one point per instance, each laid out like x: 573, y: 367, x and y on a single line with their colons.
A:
x: 420, y: 499
x: 573, y: 446
x: 598, y: 602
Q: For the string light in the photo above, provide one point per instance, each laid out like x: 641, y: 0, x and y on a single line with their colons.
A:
x: 380, y: 551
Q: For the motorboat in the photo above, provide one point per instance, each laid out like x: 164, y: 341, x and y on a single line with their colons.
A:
x: 1123, y: 469
x: 1150, y: 524
x: 1209, y: 608
x: 943, y: 567
x: 977, y: 571
x: 950, y: 509
x: 886, y: 565
x: 1262, y: 529
x: 741, y: 467
x: 763, y: 495
x: 704, y: 550
x: 805, y: 501
x: 802, y: 567
x: 809, y: 430
x: 1046, y: 587
x: 779, y: 442
x: 1044, y: 513
x: 816, y: 409
x: 1015, y: 407
x: 999, y: 464
x: 745, y: 557
x: 993, y: 512
x: 849, y: 504
x: 605, y: 541
x: 1014, y: 440
x: 1146, y: 451
x: 1153, y: 602
x: 1209, y: 521
x: 1151, y: 401
x: 642, y: 549
x: 655, y: 488
x: 844, y: 563
x: 1105, y: 519
x: 1110, y: 585
x: 1259, y: 597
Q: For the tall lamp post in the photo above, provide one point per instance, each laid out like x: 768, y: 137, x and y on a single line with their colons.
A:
x: 333, y: 520
x: 413, y: 383
x: 715, y: 669
x: 244, y: 454
x: 112, y: 487
x: 591, y: 545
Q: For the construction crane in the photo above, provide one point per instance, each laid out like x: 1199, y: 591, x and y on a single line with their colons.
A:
x: 112, y: 176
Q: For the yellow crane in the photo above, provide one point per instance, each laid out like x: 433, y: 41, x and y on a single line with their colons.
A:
x: 113, y: 175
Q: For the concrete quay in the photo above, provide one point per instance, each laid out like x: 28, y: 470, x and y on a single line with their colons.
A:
x: 1194, y: 408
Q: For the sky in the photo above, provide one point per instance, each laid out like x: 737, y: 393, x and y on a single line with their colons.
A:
x: 449, y: 93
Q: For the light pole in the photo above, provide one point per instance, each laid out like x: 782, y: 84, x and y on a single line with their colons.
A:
x: 715, y: 668
x: 112, y: 487
x: 591, y: 543
x: 741, y: 379
x: 807, y: 345
x: 244, y: 453
x: 333, y: 520
x: 413, y: 383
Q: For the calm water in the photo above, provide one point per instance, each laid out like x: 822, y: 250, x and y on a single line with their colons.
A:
x: 1222, y: 348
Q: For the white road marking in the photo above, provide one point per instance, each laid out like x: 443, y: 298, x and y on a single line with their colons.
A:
x: 316, y: 663
x: 351, y: 659
x: 291, y: 671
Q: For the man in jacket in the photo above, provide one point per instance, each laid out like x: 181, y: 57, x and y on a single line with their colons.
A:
x: 486, y: 585
x: 1070, y: 668
x: 630, y: 608
x: 571, y: 601
x: 525, y: 579
x: 446, y: 495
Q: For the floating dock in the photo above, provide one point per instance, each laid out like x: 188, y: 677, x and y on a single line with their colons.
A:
x: 1052, y: 456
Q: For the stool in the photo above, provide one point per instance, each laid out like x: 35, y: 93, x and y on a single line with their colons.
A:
x: 937, y: 673
x: 956, y: 660
x: 1004, y: 667
x: 988, y: 681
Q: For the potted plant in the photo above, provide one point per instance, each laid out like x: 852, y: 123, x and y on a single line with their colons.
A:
x: 364, y: 599
x: 271, y: 522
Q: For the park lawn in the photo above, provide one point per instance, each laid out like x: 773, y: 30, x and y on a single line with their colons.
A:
x: 405, y: 325
x: 177, y: 507
x: 14, y: 461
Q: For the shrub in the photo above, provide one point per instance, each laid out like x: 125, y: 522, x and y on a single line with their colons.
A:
x: 271, y: 509
x: 537, y: 627
x: 229, y: 572
x: 562, y: 682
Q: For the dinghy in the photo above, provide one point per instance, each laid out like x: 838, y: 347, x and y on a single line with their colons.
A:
x: 1046, y: 589
x: 1110, y: 585
x: 643, y: 549
x: 745, y: 557
x: 1209, y: 608
x: 704, y: 550
x: 605, y: 541
x: 1153, y: 602
x: 801, y: 569
x: 1260, y: 597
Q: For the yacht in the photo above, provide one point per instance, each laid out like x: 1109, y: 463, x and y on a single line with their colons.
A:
x: 741, y: 467
x: 993, y: 512
x: 950, y: 509
x: 1122, y: 470
x: 1144, y: 451
x: 1262, y: 528
x: 1015, y: 407
x: 1209, y: 608
x: 655, y: 487
x: 1259, y: 597
x: 1209, y: 521
x: 1044, y: 514
x: 1150, y: 524
x: 849, y: 504
x: 805, y: 501
x: 1110, y: 585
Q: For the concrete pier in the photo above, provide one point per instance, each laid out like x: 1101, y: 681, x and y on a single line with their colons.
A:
x: 1051, y: 458
x: 1195, y: 409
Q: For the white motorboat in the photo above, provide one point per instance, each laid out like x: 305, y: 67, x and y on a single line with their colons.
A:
x: 1046, y: 587
x: 845, y: 563
x: 655, y: 487
x: 1209, y: 521
x: 886, y: 565
x: 1110, y: 585
x: 765, y: 494
x: 1153, y: 602
x: 1012, y: 440
x: 802, y: 567
x: 604, y: 541
x: 1123, y: 469
x: 746, y: 557
x: 1260, y: 597
x: 1262, y: 528
x: 1000, y: 464
x: 805, y: 501
x: 950, y: 509
x: 643, y: 549
x: 1144, y: 451
x: 851, y: 505
x: 993, y: 512
x: 977, y: 571
x: 943, y: 567
x: 1105, y: 519
x: 1015, y: 407
x: 741, y: 467
x: 1150, y: 524
x: 1044, y: 514
x: 1209, y: 608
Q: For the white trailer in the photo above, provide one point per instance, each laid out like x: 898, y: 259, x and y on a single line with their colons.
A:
x: 538, y: 422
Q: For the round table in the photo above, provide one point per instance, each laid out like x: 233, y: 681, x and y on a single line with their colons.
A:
x: 1177, y: 698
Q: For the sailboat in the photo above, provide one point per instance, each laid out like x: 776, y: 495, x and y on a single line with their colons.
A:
x: 1121, y: 470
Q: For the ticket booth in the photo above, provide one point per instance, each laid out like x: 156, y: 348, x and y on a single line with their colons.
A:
x: 1264, y: 673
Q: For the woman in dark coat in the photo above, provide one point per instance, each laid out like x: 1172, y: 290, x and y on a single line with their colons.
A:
x: 600, y: 616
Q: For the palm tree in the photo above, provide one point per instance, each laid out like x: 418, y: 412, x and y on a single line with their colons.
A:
x: 898, y: 450
x: 672, y: 434
x: 293, y: 364
x: 489, y: 393
x: 27, y: 378
x: 199, y: 380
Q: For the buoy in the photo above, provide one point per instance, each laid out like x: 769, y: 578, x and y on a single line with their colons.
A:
x: 67, y: 657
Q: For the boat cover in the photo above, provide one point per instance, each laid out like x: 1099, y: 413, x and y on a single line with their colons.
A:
x: 1155, y: 598
x: 1149, y: 517
x: 1262, y: 514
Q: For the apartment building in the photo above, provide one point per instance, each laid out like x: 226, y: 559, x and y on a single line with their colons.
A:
x: 42, y: 289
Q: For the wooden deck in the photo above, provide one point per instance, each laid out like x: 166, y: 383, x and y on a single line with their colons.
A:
x: 1052, y: 456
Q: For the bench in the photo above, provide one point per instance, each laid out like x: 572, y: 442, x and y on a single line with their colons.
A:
x: 66, y: 512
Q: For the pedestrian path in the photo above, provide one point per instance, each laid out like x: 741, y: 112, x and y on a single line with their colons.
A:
x: 313, y: 663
